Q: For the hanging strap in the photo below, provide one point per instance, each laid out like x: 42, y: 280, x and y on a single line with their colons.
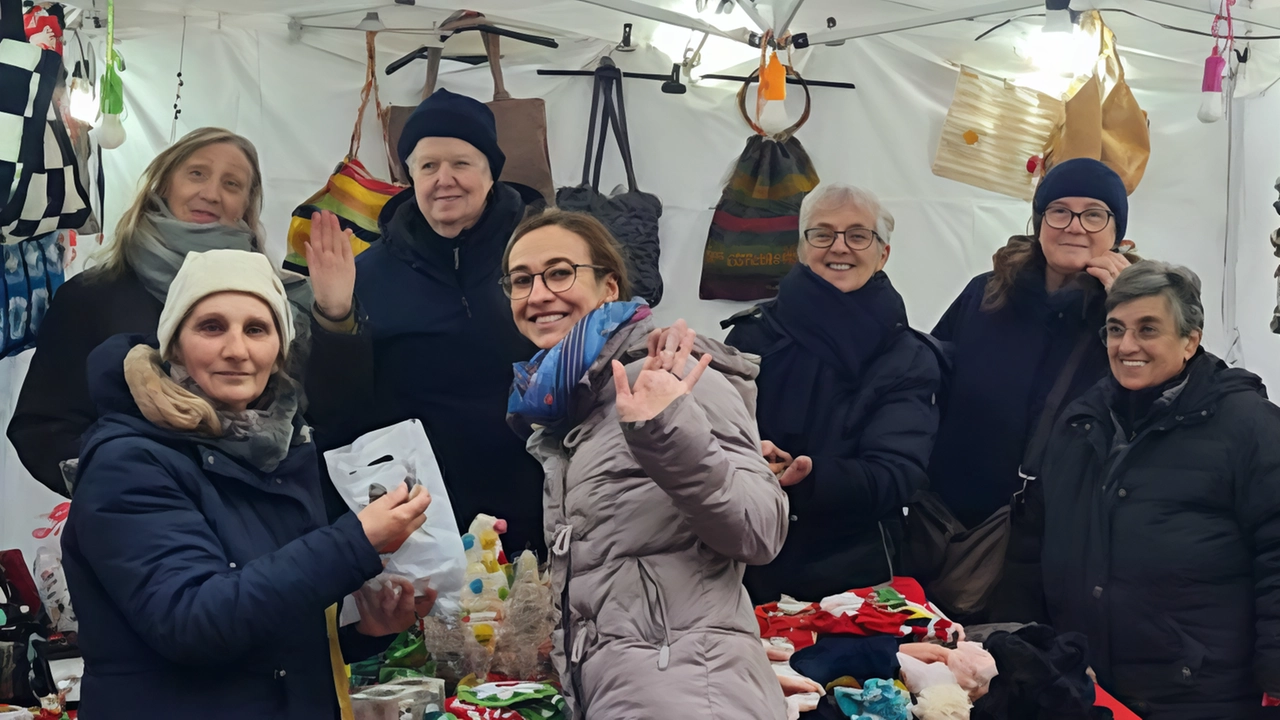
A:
x: 11, y: 21
x: 606, y: 112
x: 458, y: 21
x: 785, y: 134
x: 370, y: 89
x: 1052, y: 403
x: 491, y: 46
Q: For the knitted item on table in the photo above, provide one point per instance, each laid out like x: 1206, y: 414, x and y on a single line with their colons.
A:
x: 900, y: 610
x: 877, y: 700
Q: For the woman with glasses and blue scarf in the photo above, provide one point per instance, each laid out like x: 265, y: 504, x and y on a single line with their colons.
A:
x: 656, y: 495
x: 846, y: 389
x: 1013, y: 333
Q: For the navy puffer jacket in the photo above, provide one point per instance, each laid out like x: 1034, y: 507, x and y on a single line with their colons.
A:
x: 201, y: 583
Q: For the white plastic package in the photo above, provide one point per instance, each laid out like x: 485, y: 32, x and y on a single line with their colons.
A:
x: 377, y: 463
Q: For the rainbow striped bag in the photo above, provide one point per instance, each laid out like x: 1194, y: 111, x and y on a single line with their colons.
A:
x: 352, y: 192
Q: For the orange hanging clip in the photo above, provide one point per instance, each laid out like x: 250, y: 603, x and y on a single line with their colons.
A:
x: 773, y: 79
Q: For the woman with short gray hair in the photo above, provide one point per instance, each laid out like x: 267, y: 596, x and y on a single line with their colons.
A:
x: 846, y: 400
x: 1162, y: 513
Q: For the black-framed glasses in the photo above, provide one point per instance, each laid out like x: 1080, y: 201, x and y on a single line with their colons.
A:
x: 558, y: 278
x: 1092, y: 220
x: 855, y: 238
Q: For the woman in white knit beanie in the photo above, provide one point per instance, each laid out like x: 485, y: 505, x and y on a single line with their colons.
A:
x: 204, y: 573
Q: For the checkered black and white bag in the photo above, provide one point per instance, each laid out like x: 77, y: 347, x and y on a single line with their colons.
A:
x: 40, y: 185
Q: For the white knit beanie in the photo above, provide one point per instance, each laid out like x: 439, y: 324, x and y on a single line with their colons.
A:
x: 215, y: 271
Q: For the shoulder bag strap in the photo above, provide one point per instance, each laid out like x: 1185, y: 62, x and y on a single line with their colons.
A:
x: 618, y: 115
x: 1052, y: 403
x: 370, y: 88
x: 434, y: 55
x: 598, y: 91
x: 492, y: 47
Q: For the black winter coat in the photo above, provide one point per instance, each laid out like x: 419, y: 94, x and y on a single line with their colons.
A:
x: 201, y: 583
x: 867, y: 421
x: 436, y: 342
x: 1004, y: 365
x: 54, y: 408
x: 1163, y: 546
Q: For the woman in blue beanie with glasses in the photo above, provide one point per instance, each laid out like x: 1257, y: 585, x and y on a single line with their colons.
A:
x: 421, y: 329
x: 1023, y: 341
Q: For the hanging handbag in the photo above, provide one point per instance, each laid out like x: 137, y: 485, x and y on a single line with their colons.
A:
x: 973, y: 562
x: 352, y: 193
x: 40, y: 185
x: 631, y: 214
x: 521, y: 122
x: 756, y: 227
x: 1106, y: 125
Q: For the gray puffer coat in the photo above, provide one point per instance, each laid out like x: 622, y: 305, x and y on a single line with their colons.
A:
x: 651, y: 525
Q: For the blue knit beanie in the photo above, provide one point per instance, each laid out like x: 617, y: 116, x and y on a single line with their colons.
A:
x: 446, y: 114
x: 1087, y: 178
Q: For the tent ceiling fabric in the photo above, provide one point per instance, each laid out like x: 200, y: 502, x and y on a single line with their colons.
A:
x: 941, y: 30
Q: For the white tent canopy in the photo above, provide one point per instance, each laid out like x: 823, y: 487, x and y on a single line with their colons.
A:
x: 1205, y: 201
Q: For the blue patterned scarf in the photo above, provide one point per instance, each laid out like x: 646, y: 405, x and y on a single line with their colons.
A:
x: 540, y: 392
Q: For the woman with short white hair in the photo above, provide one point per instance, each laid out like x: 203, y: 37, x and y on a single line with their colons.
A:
x: 846, y: 400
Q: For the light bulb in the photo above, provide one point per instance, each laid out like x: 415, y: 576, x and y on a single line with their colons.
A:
x: 1065, y: 53
x: 110, y: 133
x: 1212, y: 101
x: 84, y: 105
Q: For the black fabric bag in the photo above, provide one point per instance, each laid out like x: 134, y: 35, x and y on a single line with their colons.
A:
x: 40, y: 185
x: 631, y: 215
x: 975, y: 580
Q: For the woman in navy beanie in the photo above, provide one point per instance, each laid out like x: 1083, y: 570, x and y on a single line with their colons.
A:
x: 1012, y: 331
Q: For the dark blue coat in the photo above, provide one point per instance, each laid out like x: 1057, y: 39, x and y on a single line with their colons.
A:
x: 1004, y: 365
x: 1162, y: 544
x: 200, y: 583
x: 436, y: 343
x: 867, y: 419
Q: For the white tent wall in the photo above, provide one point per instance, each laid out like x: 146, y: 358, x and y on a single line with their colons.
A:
x: 1255, y: 159
x: 297, y: 102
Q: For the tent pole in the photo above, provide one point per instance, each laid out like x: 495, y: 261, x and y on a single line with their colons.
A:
x: 749, y: 7
x: 781, y: 28
x: 669, y: 17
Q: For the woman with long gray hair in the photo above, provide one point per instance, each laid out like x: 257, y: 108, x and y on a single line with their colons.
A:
x: 1162, y: 513
x: 202, y: 193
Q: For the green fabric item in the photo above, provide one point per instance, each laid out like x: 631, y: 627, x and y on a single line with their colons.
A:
x: 387, y: 674
x: 407, y: 651
x: 523, y: 693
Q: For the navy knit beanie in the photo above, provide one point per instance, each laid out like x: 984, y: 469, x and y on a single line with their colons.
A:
x: 1087, y: 178
x: 446, y: 114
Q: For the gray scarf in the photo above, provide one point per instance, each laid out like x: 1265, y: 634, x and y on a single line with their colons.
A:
x: 263, y: 434
x: 161, y: 242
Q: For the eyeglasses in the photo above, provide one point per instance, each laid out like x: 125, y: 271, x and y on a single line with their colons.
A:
x: 1092, y: 220
x: 855, y: 238
x: 1114, y: 334
x: 557, y: 278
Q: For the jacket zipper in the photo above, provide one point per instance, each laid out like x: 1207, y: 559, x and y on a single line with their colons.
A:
x: 664, y: 652
x: 457, y: 267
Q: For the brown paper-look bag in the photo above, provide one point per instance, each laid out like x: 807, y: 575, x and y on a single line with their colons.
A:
x: 521, y: 122
x: 1102, y: 119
